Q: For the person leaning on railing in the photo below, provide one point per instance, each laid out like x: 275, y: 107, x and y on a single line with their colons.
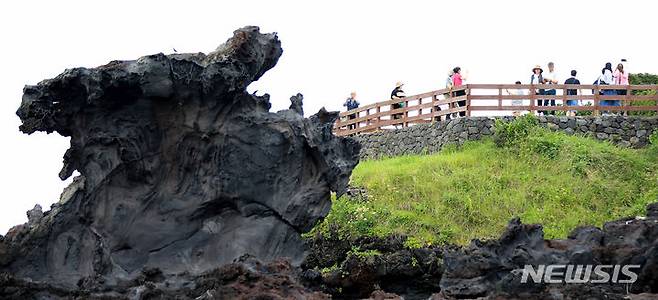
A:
x: 516, y: 102
x: 397, y: 93
x: 572, y: 92
x: 537, y: 77
x: 620, y: 77
x: 446, y: 95
x: 607, y: 79
x: 351, y: 104
x: 550, y: 77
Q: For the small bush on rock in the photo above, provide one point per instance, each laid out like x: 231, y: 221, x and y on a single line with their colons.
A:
x: 512, y: 133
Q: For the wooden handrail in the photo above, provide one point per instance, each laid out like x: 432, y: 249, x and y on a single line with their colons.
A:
x: 425, y: 107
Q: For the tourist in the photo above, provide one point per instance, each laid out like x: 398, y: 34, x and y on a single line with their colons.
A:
x: 538, y: 78
x: 446, y: 95
x: 457, y: 81
x: 516, y: 102
x: 607, y: 78
x: 351, y: 104
x: 572, y: 102
x: 397, y: 93
x: 550, y: 78
x: 620, y: 77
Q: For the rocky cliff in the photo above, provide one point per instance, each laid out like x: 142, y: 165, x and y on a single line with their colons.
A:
x: 181, y: 170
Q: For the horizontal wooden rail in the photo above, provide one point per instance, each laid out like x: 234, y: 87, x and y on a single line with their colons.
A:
x: 461, y: 101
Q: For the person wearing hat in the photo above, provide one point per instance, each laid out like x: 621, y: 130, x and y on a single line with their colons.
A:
x: 397, y: 93
x: 538, y: 78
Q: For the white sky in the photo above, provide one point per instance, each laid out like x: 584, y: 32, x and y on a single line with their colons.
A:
x: 330, y: 49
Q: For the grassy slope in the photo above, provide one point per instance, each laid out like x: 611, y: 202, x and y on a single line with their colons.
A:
x: 550, y: 178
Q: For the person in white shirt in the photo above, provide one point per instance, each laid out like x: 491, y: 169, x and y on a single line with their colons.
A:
x: 516, y: 102
x: 550, y: 78
x: 607, y: 79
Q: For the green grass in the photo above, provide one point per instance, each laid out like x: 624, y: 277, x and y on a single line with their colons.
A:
x: 545, y: 177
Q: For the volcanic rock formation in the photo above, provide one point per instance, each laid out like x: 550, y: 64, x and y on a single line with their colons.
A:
x: 181, y: 170
x: 494, y: 268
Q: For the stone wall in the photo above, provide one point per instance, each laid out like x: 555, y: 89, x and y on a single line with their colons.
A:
x: 427, y: 138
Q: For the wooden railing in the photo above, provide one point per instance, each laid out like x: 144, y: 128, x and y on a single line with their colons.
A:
x: 437, y: 105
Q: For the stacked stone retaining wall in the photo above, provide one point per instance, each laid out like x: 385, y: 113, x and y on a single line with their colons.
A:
x: 428, y: 138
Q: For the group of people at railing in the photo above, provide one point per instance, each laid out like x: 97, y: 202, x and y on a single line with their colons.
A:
x: 608, y: 77
x: 456, y: 79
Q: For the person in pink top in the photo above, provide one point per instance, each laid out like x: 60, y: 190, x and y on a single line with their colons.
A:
x: 458, y: 80
x: 620, y: 77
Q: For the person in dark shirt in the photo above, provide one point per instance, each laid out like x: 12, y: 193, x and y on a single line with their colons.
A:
x: 572, y: 80
x: 351, y: 104
x: 397, y: 93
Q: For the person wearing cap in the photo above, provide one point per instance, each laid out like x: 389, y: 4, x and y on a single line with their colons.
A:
x: 397, y: 93
x: 537, y: 77
x: 351, y: 104
x: 457, y: 81
x: 550, y: 78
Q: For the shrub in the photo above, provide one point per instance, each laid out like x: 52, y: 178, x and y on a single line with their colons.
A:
x: 508, y: 134
x: 653, y: 138
x: 643, y: 78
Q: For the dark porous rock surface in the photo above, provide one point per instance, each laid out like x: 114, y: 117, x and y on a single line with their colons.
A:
x: 494, y: 268
x: 246, y: 278
x: 181, y: 170
x: 362, y: 267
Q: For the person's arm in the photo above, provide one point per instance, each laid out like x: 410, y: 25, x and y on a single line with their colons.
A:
x: 615, y: 77
x: 554, y: 79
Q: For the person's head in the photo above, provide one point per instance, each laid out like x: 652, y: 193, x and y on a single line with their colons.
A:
x: 551, y: 66
x: 608, y: 66
x: 399, y: 84
x: 456, y: 70
x: 353, y: 95
x: 451, y: 72
x: 573, y: 73
x: 537, y: 70
x: 620, y: 67
x: 517, y: 82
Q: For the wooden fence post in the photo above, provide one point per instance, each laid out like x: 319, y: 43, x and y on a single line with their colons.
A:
x: 533, y: 99
x: 596, y: 101
x: 468, y: 100
x: 432, y: 109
